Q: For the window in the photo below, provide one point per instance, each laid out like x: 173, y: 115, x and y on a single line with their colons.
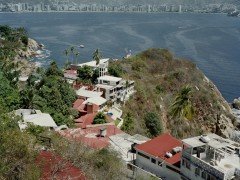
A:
x: 153, y: 161
x: 204, y: 175
x: 143, y: 155
x: 183, y: 162
x: 105, y: 82
x: 169, y: 167
x: 160, y: 163
x: 188, y: 165
x: 197, y: 171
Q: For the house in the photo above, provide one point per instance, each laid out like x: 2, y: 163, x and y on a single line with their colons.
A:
x: 86, y: 92
x: 70, y: 74
x: 103, y: 66
x: 160, y: 156
x: 123, y: 143
x: 91, y: 136
x: 210, y: 157
x: 88, y: 110
x: 114, y: 88
x: 36, y: 117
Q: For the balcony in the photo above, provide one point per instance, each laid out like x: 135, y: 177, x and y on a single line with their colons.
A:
x: 203, y: 165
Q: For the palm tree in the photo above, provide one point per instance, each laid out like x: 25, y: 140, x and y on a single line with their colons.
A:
x: 182, y: 105
x: 66, y: 51
x: 97, y: 56
x: 77, y: 54
x: 72, y: 50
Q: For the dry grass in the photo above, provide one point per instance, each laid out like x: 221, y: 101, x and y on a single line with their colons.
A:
x: 157, y: 69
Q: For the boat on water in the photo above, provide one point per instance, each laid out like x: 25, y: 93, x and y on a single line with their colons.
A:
x: 81, y: 46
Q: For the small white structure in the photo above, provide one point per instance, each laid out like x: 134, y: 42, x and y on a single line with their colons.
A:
x: 157, y: 157
x: 123, y: 143
x: 36, y: 117
x: 100, y: 101
x: 210, y: 157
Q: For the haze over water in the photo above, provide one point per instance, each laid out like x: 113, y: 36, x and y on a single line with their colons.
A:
x: 212, y: 41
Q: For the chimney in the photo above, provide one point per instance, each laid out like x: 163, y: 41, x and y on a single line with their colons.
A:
x: 103, y: 131
x: 89, y: 108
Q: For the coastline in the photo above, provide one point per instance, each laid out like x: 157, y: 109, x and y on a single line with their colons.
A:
x: 26, y: 66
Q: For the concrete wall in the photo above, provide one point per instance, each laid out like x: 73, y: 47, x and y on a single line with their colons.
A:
x: 190, y: 173
x: 161, y: 171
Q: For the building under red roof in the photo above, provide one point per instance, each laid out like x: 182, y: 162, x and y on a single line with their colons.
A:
x: 54, y: 167
x: 90, y: 136
x: 159, y: 146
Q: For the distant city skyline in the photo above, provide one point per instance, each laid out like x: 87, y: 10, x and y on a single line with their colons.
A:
x: 67, y: 5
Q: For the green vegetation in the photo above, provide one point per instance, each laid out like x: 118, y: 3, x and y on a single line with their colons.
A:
x: 182, y: 105
x: 51, y: 94
x: 159, y: 78
x: 17, y: 151
x: 97, y: 164
x: 153, y: 124
x: 127, y: 123
x: 85, y: 73
x: 100, y: 118
x: 97, y: 56
x: 115, y: 69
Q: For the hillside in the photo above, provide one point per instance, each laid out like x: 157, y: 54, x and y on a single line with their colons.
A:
x: 159, y: 77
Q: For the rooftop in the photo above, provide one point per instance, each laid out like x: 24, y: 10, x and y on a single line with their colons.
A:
x: 215, y: 141
x: 89, y: 136
x: 158, y: 147
x: 36, y: 117
x: 223, y: 154
x: 70, y: 71
x: 49, y: 162
x: 110, y: 78
x: 122, y: 144
x: 103, y: 86
x: 93, y: 63
x: 95, y: 100
x: 88, y: 94
x: 87, y: 120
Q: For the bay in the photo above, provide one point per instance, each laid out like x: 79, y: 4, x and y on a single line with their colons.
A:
x: 212, y: 41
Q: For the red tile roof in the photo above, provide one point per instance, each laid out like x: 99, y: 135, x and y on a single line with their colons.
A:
x: 78, y: 103
x: 79, y: 106
x: 89, y: 136
x: 158, y: 147
x: 87, y: 119
x: 70, y: 71
x: 49, y: 163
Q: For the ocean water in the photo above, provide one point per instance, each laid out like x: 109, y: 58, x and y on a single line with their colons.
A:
x: 212, y: 41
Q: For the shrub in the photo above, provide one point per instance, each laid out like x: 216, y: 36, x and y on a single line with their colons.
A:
x: 153, y: 123
x: 100, y: 118
x: 115, y: 69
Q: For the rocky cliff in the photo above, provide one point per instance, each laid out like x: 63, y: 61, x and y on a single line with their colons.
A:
x: 159, y: 76
x: 24, y: 55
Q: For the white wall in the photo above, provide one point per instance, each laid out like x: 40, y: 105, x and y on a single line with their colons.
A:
x: 160, y: 171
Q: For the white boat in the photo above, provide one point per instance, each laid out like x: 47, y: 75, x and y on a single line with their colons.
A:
x: 81, y: 46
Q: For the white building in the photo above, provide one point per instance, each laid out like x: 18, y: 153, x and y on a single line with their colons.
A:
x: 35, y: 117
x: 160, y: 156
x: 103, y: 66
x: 114, y: 88
x: 210, y: 157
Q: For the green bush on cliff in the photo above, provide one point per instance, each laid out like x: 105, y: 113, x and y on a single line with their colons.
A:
x: 159, y: 77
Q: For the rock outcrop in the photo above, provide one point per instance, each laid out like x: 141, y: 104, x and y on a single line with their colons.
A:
x: 23, y: 56
x: 30, y: 51
x: 236, y: 103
